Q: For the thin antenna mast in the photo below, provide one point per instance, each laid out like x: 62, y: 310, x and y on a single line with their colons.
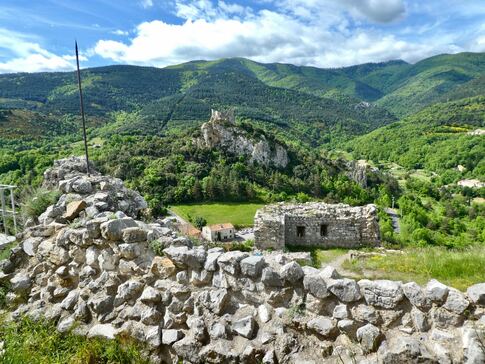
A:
x: 82, y: 110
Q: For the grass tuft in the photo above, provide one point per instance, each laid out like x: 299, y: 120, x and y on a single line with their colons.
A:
x: 457, y: 268
x: 32, y: 342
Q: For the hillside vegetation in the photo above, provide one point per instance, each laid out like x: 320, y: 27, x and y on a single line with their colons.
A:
x: 437, y: 138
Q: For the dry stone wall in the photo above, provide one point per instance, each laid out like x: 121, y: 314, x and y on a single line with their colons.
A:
x: 96, y: 275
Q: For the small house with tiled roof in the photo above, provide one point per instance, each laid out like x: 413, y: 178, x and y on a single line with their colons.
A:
x: 219, y: 232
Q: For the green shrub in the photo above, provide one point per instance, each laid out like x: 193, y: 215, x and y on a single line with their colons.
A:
x: 36, y: 200
x: 157, y: 247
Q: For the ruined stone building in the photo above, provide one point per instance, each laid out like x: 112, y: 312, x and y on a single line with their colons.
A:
x: 316, y: 224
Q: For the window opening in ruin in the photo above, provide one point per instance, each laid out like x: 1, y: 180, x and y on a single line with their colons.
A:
x: 323, y: 230
x: 219, y: 236
x: 300, y: 231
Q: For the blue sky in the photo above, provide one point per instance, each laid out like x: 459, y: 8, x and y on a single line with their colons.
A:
x: 38, y: 35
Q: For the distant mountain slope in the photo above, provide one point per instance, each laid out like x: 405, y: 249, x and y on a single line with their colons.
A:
x: 437, y: 138
x: 317, y: 106
x: 425, y: 82
x: 25, y: 124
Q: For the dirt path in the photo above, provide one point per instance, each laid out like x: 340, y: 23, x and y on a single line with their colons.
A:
x: 337, y: 264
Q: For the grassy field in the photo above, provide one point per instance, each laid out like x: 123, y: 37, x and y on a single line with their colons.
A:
x: 456, y: 268
x: 40, y: 343
x: 241, y: 214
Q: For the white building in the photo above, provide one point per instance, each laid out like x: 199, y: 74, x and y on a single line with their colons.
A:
x: 219, y: 232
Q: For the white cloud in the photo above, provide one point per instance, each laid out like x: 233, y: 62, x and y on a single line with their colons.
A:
x: 298, y: 31
x: 120, y: 32
x: 146, y: 3
x: 29, y: 56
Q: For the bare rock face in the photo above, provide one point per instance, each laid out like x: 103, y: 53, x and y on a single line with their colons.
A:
x: 99, y: 276
x: 221, y: 132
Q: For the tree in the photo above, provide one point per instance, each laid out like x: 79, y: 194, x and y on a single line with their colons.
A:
x: 200, y: 222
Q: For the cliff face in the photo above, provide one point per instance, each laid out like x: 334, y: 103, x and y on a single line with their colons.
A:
x: 90, y: 268
x: 221, y: 132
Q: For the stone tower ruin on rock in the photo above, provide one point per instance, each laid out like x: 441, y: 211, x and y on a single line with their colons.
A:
x: 316, y: 224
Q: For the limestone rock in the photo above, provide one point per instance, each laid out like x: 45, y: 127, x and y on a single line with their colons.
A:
x: 271, y: 278
x: 21, y: 283
x: 416, y: 295
x: 369, y: 337
x: 252, y: 266
x: 184, y: 257
x: 436, y: 291
x: 324, y: 326
x: 113, y: 229
x: 292, y: 272
x: 74, y: 208
x: 229, y: 262
x: 127, y: 291
x: 382, y: 293
x: 245, y: 327
x: 456, y: 302
x: 315, y: 284
x: 162, y: 267
x: 346, y: 290
x: 476, y: 293
x: 134, y: 235
x: 105, y: 331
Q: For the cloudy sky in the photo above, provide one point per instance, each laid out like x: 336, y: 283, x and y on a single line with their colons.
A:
x: 39, y: 35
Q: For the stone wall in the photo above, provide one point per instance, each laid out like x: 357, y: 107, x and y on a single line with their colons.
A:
x: 96, y: 275
x: 316, y: 224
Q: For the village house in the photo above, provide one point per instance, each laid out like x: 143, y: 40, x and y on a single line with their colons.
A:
x: 219, y: 232
x: 316, y: 224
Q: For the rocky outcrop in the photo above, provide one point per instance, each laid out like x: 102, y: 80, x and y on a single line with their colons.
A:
x: 361, y: 172
x: 221, y: 132
x: 96, y: 275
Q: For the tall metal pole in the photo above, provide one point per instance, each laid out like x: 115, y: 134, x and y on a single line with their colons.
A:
x: 82, y: 110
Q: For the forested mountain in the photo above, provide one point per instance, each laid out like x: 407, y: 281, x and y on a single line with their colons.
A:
x: 438, y: 138
x: 306, y: 104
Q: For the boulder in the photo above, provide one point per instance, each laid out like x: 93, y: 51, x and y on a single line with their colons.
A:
x: 245, y: 327
x: 74, y: 208
x: 381, y: 293
x: 113, y: 229
x: 404, y: 349
x: 323, y: 326
x: 271, y: 278
x: 456, y: 302
x: 315, y: 284
x: 128, y: 291
x: 292, y: 272
x: 82, y: 185
x: 364, y: 313
x: 368, y: 337
x: 419, y: 319
x: 436, y: 291
x: 162, y: 267
x: 252, y: 266
x: 20, y: 283
x: 184, y: 257
x: 346, y: 290
x: 150, y: 295
x: 476, y: 293
x: 229, y: 262
x: 340, y: 312
x: 104, y: 331
x: 134, y: 235
x: 416, y: 295
x: 129, y: 251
